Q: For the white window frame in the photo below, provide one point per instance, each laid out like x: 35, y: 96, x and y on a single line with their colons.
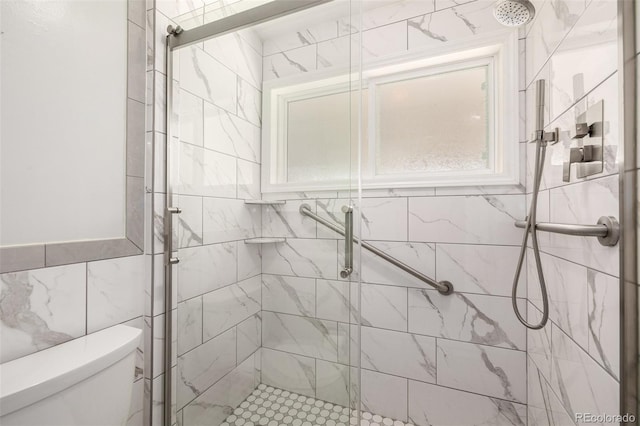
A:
x: 499, y: 51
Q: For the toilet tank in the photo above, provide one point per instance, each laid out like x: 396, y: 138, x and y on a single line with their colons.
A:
x: 86, y: 381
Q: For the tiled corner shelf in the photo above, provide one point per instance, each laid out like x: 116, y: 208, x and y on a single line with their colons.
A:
x: 264, y: 240
x: 265, y: 202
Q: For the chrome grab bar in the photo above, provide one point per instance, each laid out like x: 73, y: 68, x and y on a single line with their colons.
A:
x: 444, y: 287
x: 607, y: 230
x: 348, y: 241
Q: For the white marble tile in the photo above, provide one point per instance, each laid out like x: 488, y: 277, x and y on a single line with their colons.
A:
x: 345, y: 339
x: 288, y: 63
x: 207, y: 78
x: 604, y: 320
x: 401, y: 354
x: 248, y: 180
x: 285, y: 220
x: 384, y: 41
x: 482, y: 269
x: 228, y: 306
x: 189, y: 221
x: 136, y: 407
x: 249, y: 336
x: 337, y: 52
x: 237, y: 54
x: 573, y: 74
x: 331, y: 209
x: 300, y: 335
x: 539, y: 342
x: 452, y: 24
x: 584, y: 203
x: 383, y: 306
x: 204, y: 366
x: 482, y: 369
x: 249, y: 103
x: 332, y: 382
x: 384, y: 395
x: 334, y: 301
x: 206, y: 268
x: 486, y: 320
x: 226, y: 133
x: 204, y: 172
x: 389, y: 12
x: 189, y: 332
x: 582, y: 385
x: 554, y: 20
x: 158, y: 362
x: 567, y: 289
x: 249, y: 260
x: 470, y: 219
x: 41, y: 308
x: 140, y: 324
x: 190, y: 118
x: 294, y: 39
x: 543, y: 406
x: 219, y: 401
x: 375, y: 219
x: 301, y: 257
x: 289, y: 295
x: 287, y: 371
x: 436, y: 405
x: 115, y: 291
x: 229, y: 220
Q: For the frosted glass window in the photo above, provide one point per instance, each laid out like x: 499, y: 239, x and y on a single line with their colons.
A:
x: 319, y: 145
x: 434, y: 123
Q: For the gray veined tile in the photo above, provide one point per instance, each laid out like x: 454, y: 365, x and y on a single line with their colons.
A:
x: 228, y: 306
x: 249, y: 260
x: 237, y: 54
x: 219, y: 401
x: 384, y: 394
x: 294, y: 39
x: 543, y: 406
x: 288, y: 371
x: 487, y: 370
x: 312, y: 258
x: 114, y: 291
x: 580, y: 382
x: 289, y: 295
x: 249, y: 103
x: 189, y: 324
x: 487, y: 320
x: 41, y: 308
x: 205, y: 268
x: 384, y: 41
x: 190, y: 113
x: 285, y: 220
x: 189, y: 221
x: 300, y: 335
x: 248, y: 180
x: 471, y: 219
x: 539, y: 342
x: 292, y: 62
x: 229, y: 134
x: 204, y: 366
x: 334, y: 300
x: 229, y: 220
x: 332, y: 382
x: 383, y: 306
x: 604, y: 320
x: 249, y: 336
x: 401, y: 354
x: 436, y: 405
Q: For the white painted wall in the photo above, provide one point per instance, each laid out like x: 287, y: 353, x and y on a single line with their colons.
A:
x: 63, y: 127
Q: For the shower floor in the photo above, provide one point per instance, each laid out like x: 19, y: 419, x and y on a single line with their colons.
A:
x: 275, y: 407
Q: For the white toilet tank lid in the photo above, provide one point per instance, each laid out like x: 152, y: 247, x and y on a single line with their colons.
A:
x: 29, y: 379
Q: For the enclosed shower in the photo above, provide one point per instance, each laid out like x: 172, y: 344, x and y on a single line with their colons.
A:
x: 346, y: 187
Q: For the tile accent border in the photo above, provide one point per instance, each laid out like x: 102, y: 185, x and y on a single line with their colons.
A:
x: 33, y: 256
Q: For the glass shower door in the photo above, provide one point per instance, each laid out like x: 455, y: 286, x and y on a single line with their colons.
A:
x: 265, y: 328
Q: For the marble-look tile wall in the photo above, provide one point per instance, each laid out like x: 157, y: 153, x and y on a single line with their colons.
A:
x: 41, y: 308
x: 573, y: 362
x: 216, y: 159
x: 426, y: 358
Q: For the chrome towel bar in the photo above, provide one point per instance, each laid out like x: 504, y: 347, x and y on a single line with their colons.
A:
x: 607, y: 230
x: 444, y: 287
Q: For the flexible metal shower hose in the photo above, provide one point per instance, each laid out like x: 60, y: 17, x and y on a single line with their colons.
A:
x: 541, y: 148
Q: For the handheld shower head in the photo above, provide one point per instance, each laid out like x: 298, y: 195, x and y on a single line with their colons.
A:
x: 514, y: 13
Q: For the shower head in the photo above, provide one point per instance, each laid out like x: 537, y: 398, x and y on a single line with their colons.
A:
x: 514, y: 13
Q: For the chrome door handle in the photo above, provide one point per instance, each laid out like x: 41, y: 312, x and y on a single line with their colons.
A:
x: 348, y: 241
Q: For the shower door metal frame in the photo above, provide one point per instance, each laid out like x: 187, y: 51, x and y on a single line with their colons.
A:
x: 176, y: 39
x: 628, y: 195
